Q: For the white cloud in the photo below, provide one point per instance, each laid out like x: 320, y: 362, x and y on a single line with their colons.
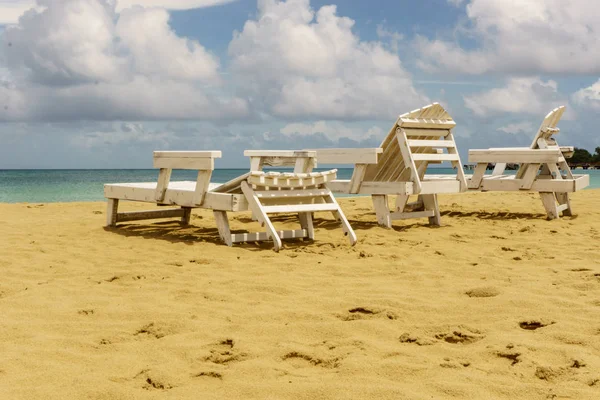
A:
x: 79, y: 59
x: 522, y: 37
x: 588, y: 97
x: 296, y: 62
x: 520, y: 127
x: 520, y: 95
x: 11, y: 10
x: 333, y: 130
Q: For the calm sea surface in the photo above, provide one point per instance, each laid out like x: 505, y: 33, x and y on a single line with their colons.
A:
x: 45, y: 186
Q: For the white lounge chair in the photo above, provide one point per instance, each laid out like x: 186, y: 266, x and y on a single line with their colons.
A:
x: 542, y: 169
x: 262, y: 192
x: 399, y: 167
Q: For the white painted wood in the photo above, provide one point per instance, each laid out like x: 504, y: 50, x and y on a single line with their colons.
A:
x: 529, y: 176
x: 179, y: 193
x: 523, y: 155
x: 431, y: 204
x: 431, y: 143
x: 289, y: 194
x: 184, y: 163
x: 259, y: 212
x: 304, y: 165
x: 433, y: 134
x: 430, y: 123
x: 223, y: 227
x: 202, y: 184
x: 340, y: 216
x: 348, y: 156
x: 411, y: 215
x: 565, y: 203
x: 112, y: 207
x: 408, y: 159
x: 293, y: 208
x: 539, y: 185
x: 499, y: 169
x: 152, y: 214
x: 306, y: 222
x: 187, y: 215
x: 264, y: 236
x: 164, y: 176
x: 358, y: 176
x: 401, y: 201
x: 435, y: 157
x: 440, y: 186
x: 549, y: 202
x: 382, y: 211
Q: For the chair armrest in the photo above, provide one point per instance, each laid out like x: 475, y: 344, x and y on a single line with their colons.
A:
x: 515, y: 155
x: 567, y: 151
x: 348, y: 156
x: 201, y: 160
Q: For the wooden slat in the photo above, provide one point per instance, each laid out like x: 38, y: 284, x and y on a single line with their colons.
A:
x: 277, y: 194
x: 435, y: 157
x: 426, y: 133
x: 293, y: 208
x: 262, y: 236
x: 443, y: 186
x: 154, y: 214
x: 426, y: 123
x: 184, y: 163
x: 431, y: 143
x: 539, y: 185
x: 523, y: 155
x: 409, y: 215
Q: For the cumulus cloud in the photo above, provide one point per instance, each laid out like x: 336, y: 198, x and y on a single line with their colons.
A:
x: 588, y: 97
x: 125, y: 132
x: 79, y: 59
x: 296, y: 62
x: 11, y: 10
x: 517, y: 36
x: 530, y: 95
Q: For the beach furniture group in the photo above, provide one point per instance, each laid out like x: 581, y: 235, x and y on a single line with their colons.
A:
x: 398, y: 167
x: 301, y: 192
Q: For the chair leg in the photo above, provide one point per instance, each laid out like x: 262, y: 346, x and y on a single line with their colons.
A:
x: 346, y: 227
x: 223, y: 227
x: 306, y: 222
x: 256, y: 208
x: 382, y: 210
x: 549, y: 202
x: 187, y: 215
x: 563, y: 199
x: 112, y: 212
x: 431, y: 203
x: 401, y: 201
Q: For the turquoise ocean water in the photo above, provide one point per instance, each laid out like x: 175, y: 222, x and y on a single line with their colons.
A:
x: 45, y: 186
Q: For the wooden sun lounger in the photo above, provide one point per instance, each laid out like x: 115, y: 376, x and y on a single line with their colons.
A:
x: 263, y: 193
x: 418, y: 139
x: 542, y: 169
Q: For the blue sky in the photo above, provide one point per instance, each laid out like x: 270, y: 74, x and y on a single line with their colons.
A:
x: 103, y: 83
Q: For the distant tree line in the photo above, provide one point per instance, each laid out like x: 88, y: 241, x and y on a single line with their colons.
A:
x: 582, y: 156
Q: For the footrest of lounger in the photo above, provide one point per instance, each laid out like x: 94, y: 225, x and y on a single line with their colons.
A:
x: 154, y: 214
x: 262, y: 236
x: 414, y: 214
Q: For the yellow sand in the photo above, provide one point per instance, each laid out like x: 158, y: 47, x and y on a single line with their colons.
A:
x: 161, y: 311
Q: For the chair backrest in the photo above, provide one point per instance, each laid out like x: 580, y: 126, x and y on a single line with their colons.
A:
x: 548, y: 129
x: 417, y: 139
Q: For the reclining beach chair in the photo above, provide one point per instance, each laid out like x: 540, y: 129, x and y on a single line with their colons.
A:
x: 542, y: 168
x: 264, y: 193
x: 399, y: 167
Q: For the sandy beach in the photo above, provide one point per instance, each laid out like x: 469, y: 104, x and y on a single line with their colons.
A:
x: 498, y: 303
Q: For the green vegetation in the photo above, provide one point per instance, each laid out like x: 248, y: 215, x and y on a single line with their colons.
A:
x: 582, y: 156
